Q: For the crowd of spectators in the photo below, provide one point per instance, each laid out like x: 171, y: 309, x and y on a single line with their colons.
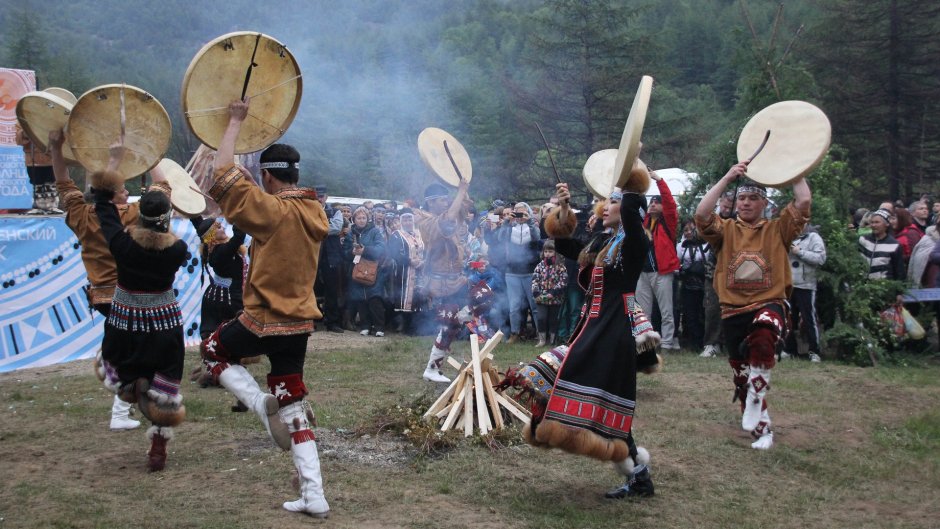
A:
x: 505, y: 246
x: 537, y: 298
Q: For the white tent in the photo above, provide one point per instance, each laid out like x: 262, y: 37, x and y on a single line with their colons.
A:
x: 678, y: 180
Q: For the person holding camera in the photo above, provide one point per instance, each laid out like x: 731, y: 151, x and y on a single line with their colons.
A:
x: 496, y: 255
x: 693, y: 254
x: 521, y: 239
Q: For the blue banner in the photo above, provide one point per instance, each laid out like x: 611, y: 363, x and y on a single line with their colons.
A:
x: 15, y: 190
x: 44, y: 314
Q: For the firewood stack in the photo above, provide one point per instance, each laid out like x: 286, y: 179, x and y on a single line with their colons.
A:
x: 470, y: 399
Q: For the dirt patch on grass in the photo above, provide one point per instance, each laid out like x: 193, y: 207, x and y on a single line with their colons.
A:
x: 379, y: 450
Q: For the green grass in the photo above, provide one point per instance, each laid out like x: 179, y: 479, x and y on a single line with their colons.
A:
x: 855, y: 448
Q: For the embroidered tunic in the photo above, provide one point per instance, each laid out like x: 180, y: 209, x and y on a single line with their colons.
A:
x: 405, y: 248
x: 222, y: 299
x: 286, y: 229
x: 753, y: 265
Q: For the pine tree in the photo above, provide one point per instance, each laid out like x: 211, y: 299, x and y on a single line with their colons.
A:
x: 583, y: 62
x: 877, y: 61
x: 25, y: 41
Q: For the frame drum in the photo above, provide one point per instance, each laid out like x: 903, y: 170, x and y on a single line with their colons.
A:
x: 185, y: 198
x: 225, y: 67
x: 598, y: 172
x: 41, y: 113
x: 629, y: 149
x: 102, y: 114
x: 431, y: 148
x: 799, y: 140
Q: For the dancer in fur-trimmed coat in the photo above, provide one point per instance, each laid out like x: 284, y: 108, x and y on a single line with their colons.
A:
x: 753, y: 281
x: 590, y: 410
x: 143, y: 348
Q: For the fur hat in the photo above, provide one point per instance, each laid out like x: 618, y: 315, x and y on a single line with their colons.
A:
x: 107, y: 180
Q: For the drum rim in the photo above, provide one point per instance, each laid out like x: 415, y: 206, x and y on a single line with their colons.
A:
x: 43, y: 143
x: 751, y: 123
x: 72, y: 99
x: 199, y: 54
x: 162, y: 113
x: 174, y: 191
x: 458, y: 153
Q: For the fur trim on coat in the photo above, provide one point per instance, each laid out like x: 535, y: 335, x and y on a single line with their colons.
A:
x: 554, y: 434
x: 151, y: 240
x: 555, y: 229
x: 639, y: 181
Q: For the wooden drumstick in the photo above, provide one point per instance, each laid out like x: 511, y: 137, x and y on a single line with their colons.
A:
x: 452, y: 162
x: 760, y: 147
x: 749, y: 160
x: 549, y: 151
x: 200, y: 192
x: 251, y: 66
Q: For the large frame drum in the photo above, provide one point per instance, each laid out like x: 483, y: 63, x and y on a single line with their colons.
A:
x: 241, y: 64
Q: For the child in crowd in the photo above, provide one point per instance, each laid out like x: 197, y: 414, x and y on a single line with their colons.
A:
x: 549, y: 282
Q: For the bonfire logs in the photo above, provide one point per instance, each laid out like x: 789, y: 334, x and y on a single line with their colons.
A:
x: 471, y: 399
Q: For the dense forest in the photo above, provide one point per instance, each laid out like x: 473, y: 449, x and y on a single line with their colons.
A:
x: 375, y: 73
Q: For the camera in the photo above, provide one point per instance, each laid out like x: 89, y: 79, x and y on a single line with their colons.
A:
x: 518, y: 214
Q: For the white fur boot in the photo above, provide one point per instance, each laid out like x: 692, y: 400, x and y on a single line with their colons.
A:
x: 758, y: 382
x: 432, y: 373
x: 626, y: 467
x: 304, y: 451
x: 120, y: 416
x: 763, y: 433
x: 239, y: 381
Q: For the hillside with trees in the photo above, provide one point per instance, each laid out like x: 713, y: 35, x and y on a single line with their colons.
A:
x: 376, y: 73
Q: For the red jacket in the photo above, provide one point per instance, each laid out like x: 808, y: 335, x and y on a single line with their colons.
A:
x: 908, y: 237
x: 664, y: 232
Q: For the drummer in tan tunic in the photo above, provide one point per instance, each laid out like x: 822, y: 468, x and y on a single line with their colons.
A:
x: 99, y: 264
x: 753, y: 282
x: 287, y: 225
